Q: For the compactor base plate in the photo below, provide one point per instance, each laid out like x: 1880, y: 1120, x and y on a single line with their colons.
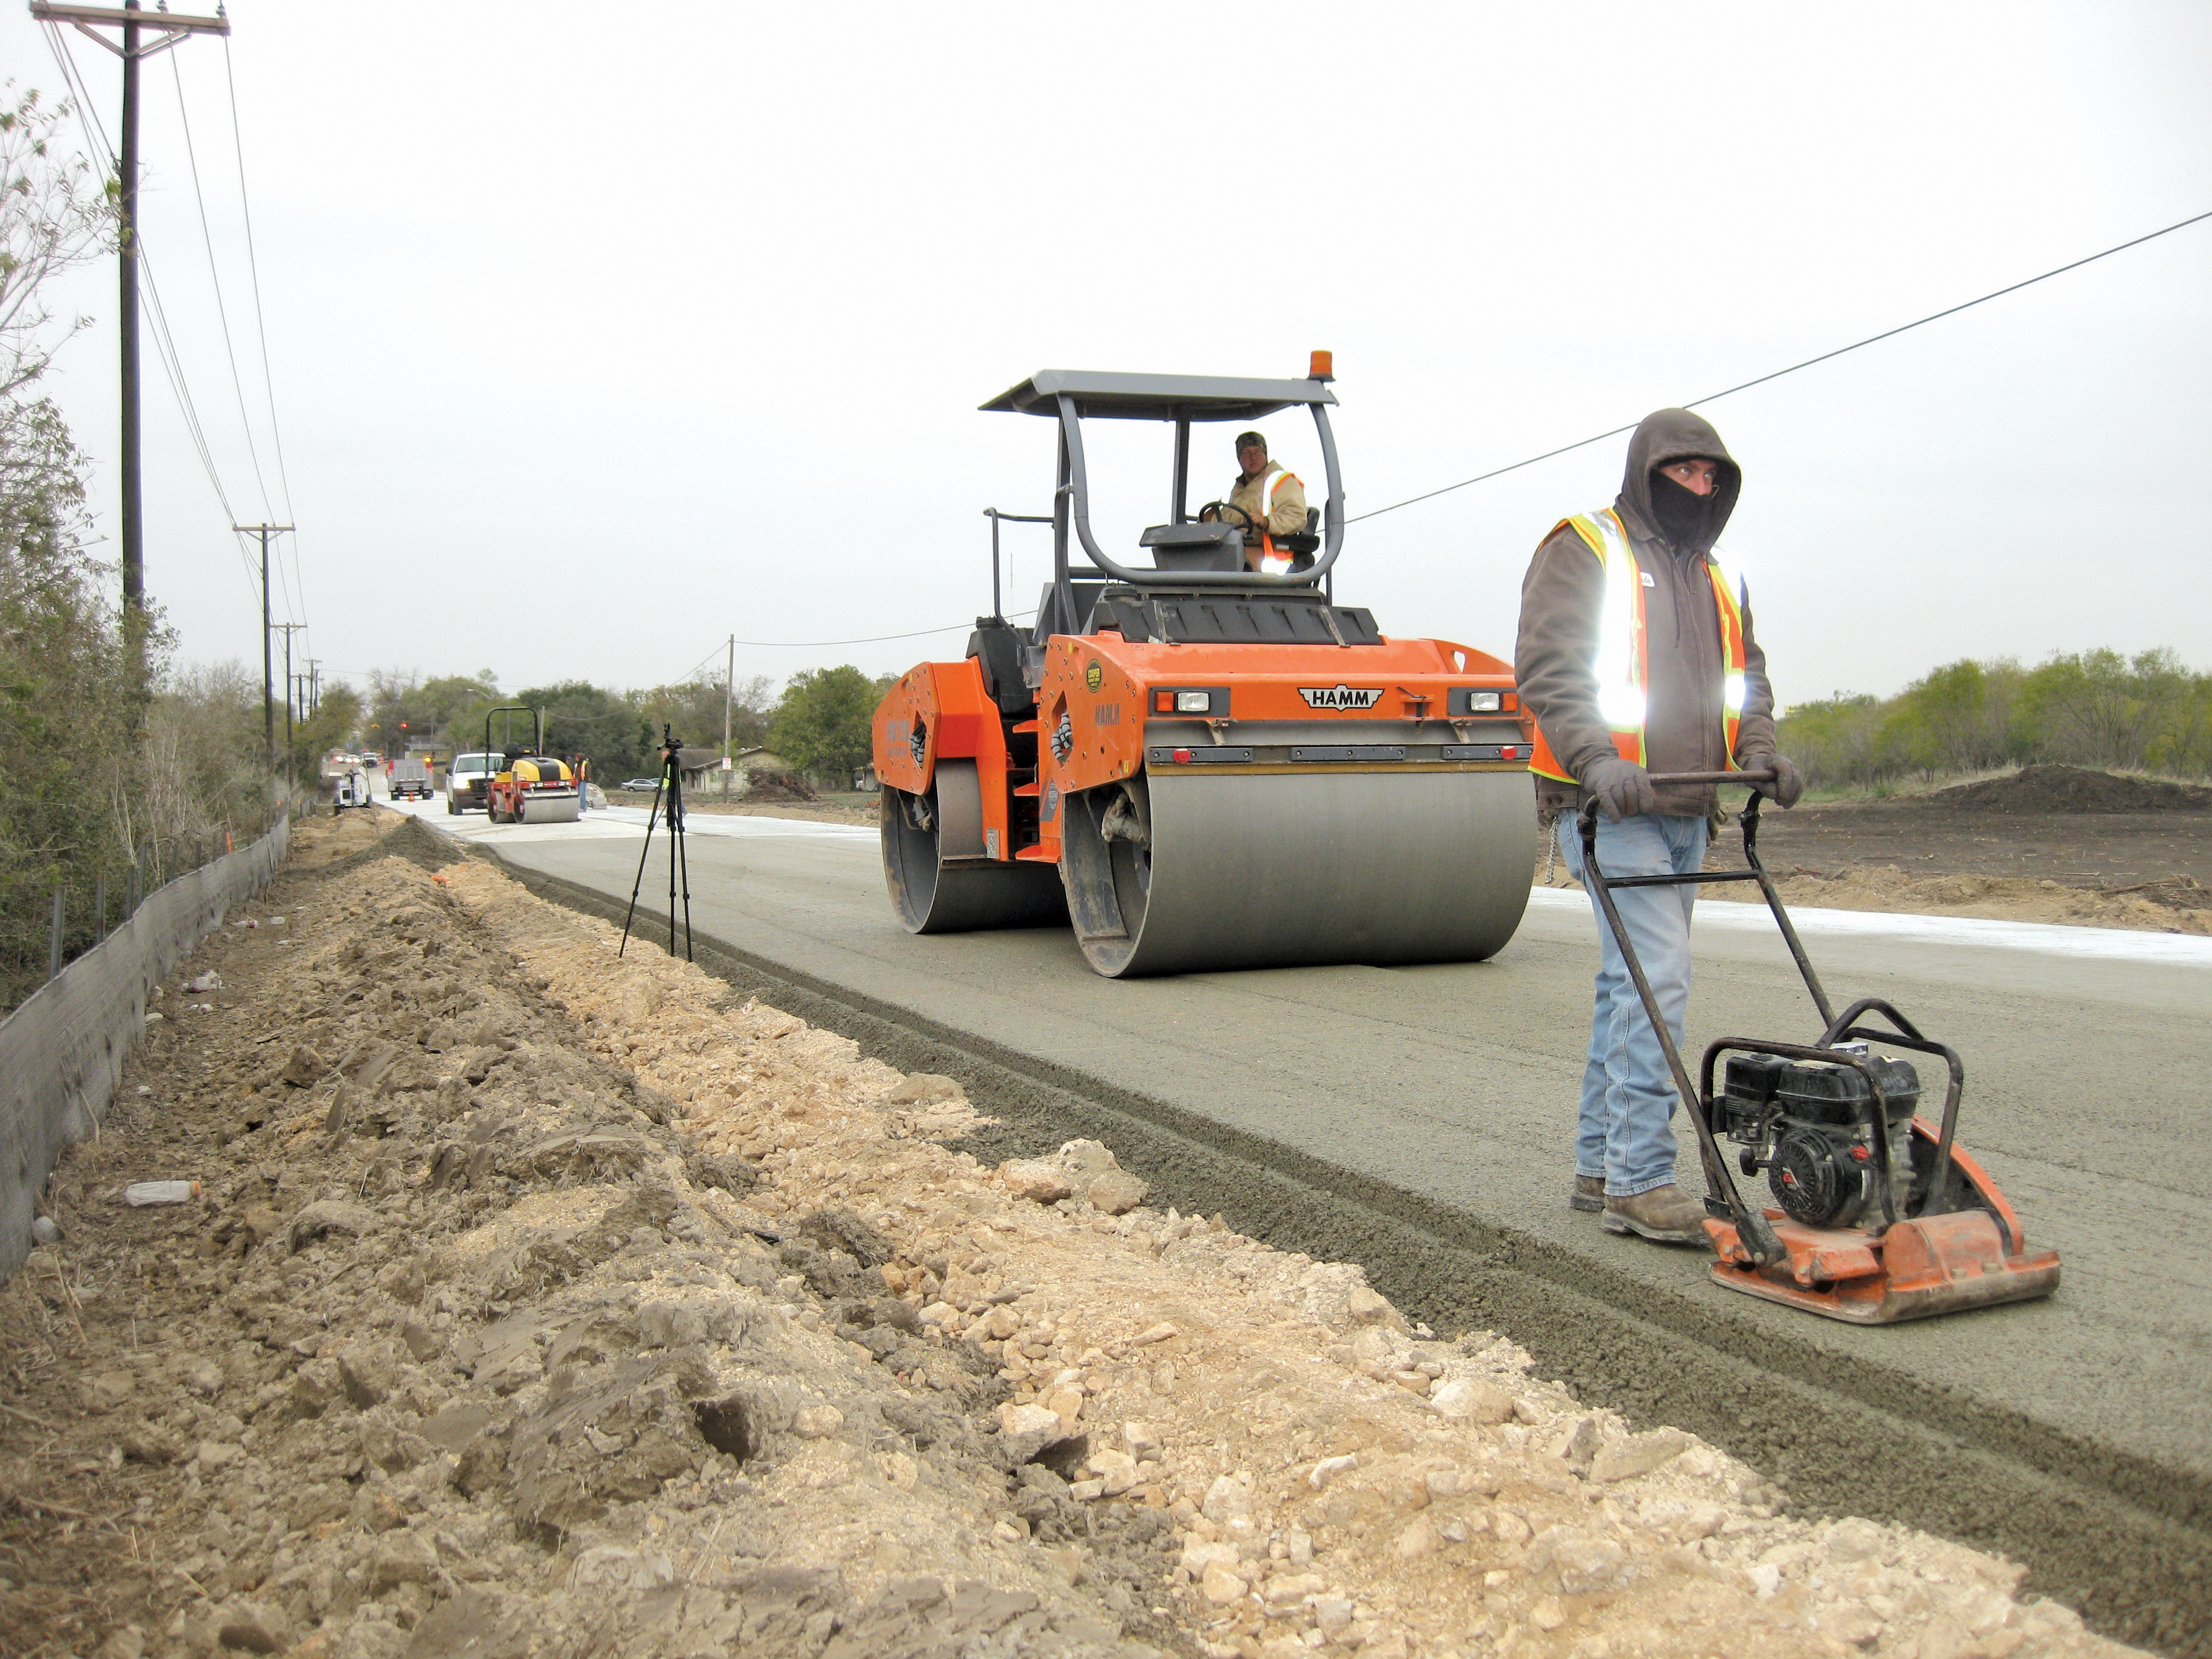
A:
x: 1932, y: 1265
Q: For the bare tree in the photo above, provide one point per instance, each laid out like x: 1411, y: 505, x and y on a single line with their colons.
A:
x: 53, y: 214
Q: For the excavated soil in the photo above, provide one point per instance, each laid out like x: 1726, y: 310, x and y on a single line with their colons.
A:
x: 2048, y: 788
x: 541, y: 1302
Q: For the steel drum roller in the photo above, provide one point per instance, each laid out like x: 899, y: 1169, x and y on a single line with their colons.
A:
x: 1186, y: 873
x: 934, y: 863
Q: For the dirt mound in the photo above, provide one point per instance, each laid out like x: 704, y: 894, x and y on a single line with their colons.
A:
x: 2050, y: 788
x: 778, y: 786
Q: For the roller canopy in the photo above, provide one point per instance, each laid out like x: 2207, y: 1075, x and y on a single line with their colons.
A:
x: 1100, y: 395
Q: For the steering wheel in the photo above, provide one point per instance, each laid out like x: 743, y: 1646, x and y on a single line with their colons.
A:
x: 1212, y: 512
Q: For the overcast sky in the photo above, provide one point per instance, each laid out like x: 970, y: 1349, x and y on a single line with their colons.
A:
x: 599, y: 334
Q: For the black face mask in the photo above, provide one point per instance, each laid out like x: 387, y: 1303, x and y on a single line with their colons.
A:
x: 1682, y: 513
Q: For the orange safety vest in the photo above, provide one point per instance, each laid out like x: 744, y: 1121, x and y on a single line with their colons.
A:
x: 1620, y: 661
x: 1272, y: 562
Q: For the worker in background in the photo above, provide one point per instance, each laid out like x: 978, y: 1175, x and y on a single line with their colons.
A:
x: 1636, y: 656
x: 1271, y: 501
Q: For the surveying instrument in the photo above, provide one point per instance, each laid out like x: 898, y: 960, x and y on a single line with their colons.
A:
x: 669, y: 788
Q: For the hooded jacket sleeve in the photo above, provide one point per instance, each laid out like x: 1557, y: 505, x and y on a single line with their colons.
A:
x: 1560, y: 601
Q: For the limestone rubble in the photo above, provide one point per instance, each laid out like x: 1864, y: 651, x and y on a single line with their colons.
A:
x: 539, y: 1302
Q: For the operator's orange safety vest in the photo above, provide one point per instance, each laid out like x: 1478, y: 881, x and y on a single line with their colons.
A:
x: 1270, y: 561
x: 1620, y: 661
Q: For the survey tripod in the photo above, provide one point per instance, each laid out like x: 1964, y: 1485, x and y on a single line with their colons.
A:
x: 669, y: 788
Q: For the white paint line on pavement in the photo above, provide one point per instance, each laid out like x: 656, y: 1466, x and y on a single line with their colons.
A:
x: 2100, y: 944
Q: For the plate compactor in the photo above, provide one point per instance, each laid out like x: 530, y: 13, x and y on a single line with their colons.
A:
x: 1880, y: 1215
x: 530, y: 787
x: 1200, y: 765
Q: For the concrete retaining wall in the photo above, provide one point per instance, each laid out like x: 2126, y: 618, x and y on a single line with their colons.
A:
x: 61, y: 1051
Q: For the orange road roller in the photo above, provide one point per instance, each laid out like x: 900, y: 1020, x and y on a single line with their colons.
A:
x: 1198, y: 764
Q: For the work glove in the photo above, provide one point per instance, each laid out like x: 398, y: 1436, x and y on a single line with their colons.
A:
x: 1622, y: 788
x: 1788, y: 782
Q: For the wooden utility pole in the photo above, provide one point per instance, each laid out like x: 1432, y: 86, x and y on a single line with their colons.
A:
x: 289, y: 629
x: 169, y: 27
x: 268, y: 672
x: 729, y: 677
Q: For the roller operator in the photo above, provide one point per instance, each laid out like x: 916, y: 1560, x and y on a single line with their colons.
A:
x: 1268, y: 500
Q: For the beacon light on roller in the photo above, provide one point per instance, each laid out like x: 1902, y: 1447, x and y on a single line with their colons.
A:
x: 1198, y: 765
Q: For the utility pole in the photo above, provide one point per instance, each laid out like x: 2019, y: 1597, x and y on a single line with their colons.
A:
x: 289, y: 629
x: 268, y: 673
x: 89, y: 22
x: 314, y: 686
x: 729, y: 677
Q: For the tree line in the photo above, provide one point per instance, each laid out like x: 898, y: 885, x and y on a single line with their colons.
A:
x: 818, y: 722
x: 2094, y: 708
x: 114, y: 762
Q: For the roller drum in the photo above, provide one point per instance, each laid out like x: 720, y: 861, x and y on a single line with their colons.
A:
x: 546, y: 808
x: 934, y: 863
x: 1188, y: 872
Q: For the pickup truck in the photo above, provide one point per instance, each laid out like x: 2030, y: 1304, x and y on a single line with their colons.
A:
x: 410, y: 781
x: 468, y: 782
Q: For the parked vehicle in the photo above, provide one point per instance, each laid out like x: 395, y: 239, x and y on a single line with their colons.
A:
x: 468, y: 782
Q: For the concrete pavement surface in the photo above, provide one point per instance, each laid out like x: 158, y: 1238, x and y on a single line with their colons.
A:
x: 1447, y: 1092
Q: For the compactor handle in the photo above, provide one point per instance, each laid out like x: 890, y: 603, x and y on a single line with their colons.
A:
x: 1712, y: 777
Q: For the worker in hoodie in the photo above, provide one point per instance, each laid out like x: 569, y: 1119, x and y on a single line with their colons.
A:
x: 1636, y: 656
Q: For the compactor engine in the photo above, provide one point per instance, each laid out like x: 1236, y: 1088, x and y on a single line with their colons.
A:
x: 1809, y: 1124
x: 1199, y: 764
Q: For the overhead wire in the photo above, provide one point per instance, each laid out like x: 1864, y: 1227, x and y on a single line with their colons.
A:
x: 164, y: 344
x: 1871, y: 339
x: 1615, y: 432
x: 214, y: 281
x: 872, y: 639
x: 261, y: 334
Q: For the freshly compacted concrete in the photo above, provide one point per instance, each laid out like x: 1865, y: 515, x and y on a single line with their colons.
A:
x: 1417, y: 1119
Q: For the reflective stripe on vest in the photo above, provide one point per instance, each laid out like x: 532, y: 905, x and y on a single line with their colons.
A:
x: 1271, y: 562
x: 1620, y: 663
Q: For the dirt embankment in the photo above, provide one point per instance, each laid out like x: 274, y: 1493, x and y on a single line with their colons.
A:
x: 538, y: 1302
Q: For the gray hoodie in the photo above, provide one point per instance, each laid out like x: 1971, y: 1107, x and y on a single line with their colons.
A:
x: 1560, y: 601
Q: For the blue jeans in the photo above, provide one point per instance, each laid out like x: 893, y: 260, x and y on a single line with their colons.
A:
x: 1628, y: 1092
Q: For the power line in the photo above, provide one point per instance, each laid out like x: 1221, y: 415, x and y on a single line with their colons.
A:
x: 873, y: 639
x: 165, y: 346
x: 215, y: 281
x: 1713, y: 397
x: 253, y: 268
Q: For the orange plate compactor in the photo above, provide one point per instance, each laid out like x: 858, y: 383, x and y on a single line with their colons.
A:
x: 1199, y: 764
x: 1879, y: 1215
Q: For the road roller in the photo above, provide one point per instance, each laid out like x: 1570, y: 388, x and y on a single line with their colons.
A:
x: 1880, y: 1215
x: 530, y: 787
x: 1199, y: 765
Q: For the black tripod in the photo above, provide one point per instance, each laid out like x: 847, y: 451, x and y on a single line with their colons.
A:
x: 671, y: 786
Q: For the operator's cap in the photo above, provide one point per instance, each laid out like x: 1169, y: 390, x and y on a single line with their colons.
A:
x: 1252, y: 441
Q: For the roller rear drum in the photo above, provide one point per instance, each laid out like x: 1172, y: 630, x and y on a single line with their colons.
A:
x: 934, y: 863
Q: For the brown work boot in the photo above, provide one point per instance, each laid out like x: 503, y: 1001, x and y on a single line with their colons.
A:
x: 1588, y: 1194
x: 1665, y: 1213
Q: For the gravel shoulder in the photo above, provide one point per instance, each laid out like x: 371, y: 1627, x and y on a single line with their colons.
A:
x: 538, y: 1301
